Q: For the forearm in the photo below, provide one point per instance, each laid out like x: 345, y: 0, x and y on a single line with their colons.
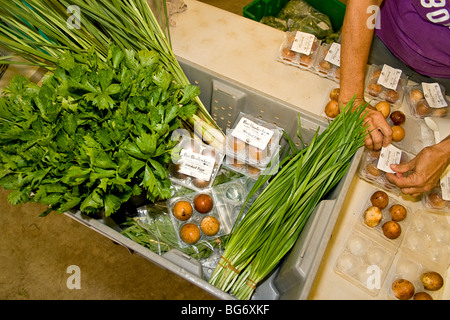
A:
x: 355, y: 47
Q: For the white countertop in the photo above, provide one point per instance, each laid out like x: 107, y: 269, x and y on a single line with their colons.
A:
x: 246, y: 51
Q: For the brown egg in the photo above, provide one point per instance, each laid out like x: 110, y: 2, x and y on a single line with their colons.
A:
x: 391, y: 229
x: 375, y: 74
x: 397, y: 212
x: 435, y: 200
x: 379, y: 199
x: 398, y: 118
x: 422, y: 109
x: 182, y: 210
x: 236, y: 144
x: 337, y: 73
x: 440, y: 112
x: 373, y: 170
x: 305, y: 60
x: 288, y: 53
x: 334, y: 93
x: 374, y: 89
x: 403, y: 289
x: 422, y: 296
x: 203, y: 203
x: 398, y: 133
x: 210, y: 225
x: 253, y: 170
x: 200, y: 183
x: 325, y: 65
x: 332, y: 109
x: 391, y: 96
x: 190, y: 233
x: 415, y: 96
x: 257, y: 154
x: 384, y: 108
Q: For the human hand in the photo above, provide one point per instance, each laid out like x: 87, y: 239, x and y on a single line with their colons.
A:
x: 420, y: 174
x: 379, y: 132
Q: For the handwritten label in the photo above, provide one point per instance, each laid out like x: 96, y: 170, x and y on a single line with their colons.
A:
x: 389, y: 155
x: 252, y: 133
x: 196, y: 165
x: 433, y: 94
x: 334, y: 54
x: 303, y: 43
x: 389, y: 77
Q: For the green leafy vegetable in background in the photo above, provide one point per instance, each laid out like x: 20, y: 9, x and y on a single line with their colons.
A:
x: 94, y: 133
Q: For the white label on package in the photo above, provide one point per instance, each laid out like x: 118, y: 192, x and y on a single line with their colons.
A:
x: 303, y: 42
x: 196, y: 165
x: 389, y: 155
x: 433, y: 94
x: 389, y: 77
x: 445, y: 187
x: 334, y: 54
x: 252, y: 133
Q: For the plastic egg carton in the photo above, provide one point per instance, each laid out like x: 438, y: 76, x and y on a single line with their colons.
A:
x: 377, y: 230
x: 426, y: 247
x: 419, y: 106
x: 324, y: 65
x: 369, y: 172
x: 242, y: 168
x: 196, y: 217
x: 194, y: 164
x: 433, y: 201
x: 429, y: 237
x: 410, y: 266
x: 362, y: 257
x: 299, y: 49
x: 253, y: 142
x: 227, y: 199
x: 368, y: 253
x: 376, y: 89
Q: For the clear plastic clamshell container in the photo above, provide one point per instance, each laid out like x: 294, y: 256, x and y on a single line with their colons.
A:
x: 194, y: 164
x: 373, y: 262
x: 210, y: 213
x: 327, y: 62
x: 433, y: 201
x: 427, y: 100
x: 299, y: 49
x: 370, y: 172
x: 368, y: 251
x: 252, y: 145
x: 384, y: 83
x: 426, y: 248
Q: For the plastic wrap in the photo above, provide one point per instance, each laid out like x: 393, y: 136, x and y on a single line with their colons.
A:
x: 298, y: 15
x: 153, y: 228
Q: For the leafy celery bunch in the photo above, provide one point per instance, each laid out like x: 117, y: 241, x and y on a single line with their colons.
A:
x: 94, y: 133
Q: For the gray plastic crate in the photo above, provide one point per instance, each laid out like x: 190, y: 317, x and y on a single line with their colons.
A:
x: 294, y: 277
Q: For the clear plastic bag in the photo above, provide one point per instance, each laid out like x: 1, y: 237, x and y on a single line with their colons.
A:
x: 300, y: 16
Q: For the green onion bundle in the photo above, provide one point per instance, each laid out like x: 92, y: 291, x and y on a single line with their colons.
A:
x: 40, y: 32
x: 275, y: 220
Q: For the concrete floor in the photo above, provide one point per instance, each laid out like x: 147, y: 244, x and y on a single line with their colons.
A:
x: 35, y: 254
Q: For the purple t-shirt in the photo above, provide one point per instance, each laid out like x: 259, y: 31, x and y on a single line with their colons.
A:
x: 417, y: 32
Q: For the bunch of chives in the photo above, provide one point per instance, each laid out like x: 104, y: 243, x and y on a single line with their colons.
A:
x: 274, y: 221
x: 38, y: 31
